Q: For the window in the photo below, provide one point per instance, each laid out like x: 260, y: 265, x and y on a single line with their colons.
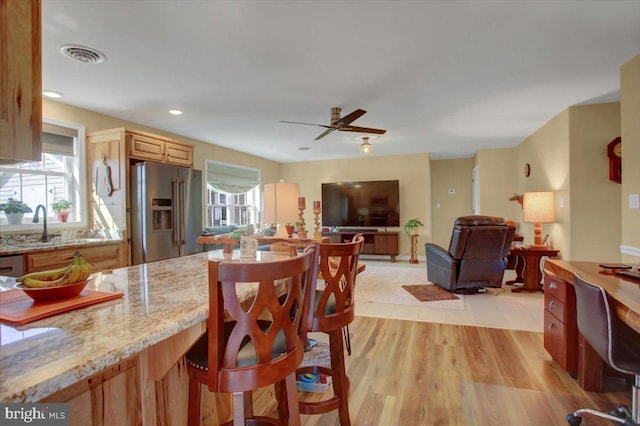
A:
x: 233, y: 195
x: 60, y: 175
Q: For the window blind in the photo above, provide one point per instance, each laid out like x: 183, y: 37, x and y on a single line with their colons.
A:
x: 231, y: 179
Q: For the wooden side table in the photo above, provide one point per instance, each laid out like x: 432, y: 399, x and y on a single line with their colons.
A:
x: 414, y: 249
x: 528, y: 267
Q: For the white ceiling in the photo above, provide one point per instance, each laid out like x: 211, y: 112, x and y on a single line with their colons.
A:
x: 441, y: 77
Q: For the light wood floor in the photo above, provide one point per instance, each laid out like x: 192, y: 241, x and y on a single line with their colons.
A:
x: 420, y: 373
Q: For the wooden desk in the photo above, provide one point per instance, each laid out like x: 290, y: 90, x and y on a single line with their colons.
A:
x: 528, y: 267
x: 625, y: 299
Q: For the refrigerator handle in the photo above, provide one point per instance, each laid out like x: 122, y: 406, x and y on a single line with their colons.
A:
x: 182, y: 206
x: 175, y: 211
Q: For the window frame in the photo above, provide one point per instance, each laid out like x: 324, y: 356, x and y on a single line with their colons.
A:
x: 209, y: 191
x: 80, y: 170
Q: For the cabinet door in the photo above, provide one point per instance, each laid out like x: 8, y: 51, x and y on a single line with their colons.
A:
x: 386, y: 244
x: 146, y: 148
x: 101, y: 258
x: 178, y: 154
x: 21, y: 81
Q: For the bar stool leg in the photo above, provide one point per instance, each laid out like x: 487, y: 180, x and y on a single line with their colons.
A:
x: 340, y: 385
x: 194, y: 403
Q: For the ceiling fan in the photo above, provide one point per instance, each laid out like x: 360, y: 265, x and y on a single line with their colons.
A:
x: 342, y: 123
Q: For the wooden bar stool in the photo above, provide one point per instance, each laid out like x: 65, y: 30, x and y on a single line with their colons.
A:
x: 333, y: 310
x: 259, y: 345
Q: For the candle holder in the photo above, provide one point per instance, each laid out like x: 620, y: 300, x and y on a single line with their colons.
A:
x: 301, y: 224
x: 316, y: 220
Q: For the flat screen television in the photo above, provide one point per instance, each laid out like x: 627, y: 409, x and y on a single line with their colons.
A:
x: 361, y: 204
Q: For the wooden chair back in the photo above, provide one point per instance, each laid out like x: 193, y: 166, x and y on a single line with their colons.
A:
x: 259, y: 329
x: 333, y: 307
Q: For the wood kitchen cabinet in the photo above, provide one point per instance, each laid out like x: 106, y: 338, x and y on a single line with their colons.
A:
x: 560, y: 325
x: 21, y: 81
x: 101, y: 257
x: 144, y: 146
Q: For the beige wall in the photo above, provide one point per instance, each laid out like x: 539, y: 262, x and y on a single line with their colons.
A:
x: 411, y: 170
x: 270, y: 170
x: 496, y: 183
x: 595, y: 200
x: 630, y: 131
x: 445, y: 207
x: 547, y: 153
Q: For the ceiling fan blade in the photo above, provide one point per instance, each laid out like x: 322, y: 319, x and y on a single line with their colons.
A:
x: 307, y: 124
x: 349, y: 118
x: 362, y: 130
x: 325, y: 133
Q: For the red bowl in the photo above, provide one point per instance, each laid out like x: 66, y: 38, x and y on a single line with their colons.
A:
x: 49, y: 294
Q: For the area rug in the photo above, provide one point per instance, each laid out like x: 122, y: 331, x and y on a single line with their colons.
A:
x: 382, y: 283
x: 318, y: 355
x: 429, y: 292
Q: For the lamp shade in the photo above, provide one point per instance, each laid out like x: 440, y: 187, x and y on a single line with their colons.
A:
x: 538, y: 207
x: 280, y: 203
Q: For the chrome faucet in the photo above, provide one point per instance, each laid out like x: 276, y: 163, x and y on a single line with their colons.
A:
x: 45, y: 234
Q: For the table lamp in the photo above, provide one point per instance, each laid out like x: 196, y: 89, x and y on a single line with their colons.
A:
x: 538, y: 208
x: 280, y: 205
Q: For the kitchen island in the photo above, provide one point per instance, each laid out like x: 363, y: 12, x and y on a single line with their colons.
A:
x: 117, y: 362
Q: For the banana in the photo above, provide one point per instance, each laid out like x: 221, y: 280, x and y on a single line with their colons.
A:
x: 33, y: 283
x: 78, y: 270
x: 47, y: 275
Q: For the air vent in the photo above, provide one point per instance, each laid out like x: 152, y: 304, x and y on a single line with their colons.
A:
x: 83, y: 54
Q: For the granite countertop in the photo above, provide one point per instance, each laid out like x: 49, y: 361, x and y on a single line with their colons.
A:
x: 160, y: 299
x: 59, y: 244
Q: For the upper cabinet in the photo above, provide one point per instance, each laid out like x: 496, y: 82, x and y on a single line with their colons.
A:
x: 20, y: 81
x: 145, y: 146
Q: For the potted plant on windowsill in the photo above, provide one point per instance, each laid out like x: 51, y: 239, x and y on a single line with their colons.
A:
x: 14, y: 210
x: 62, y: 208
x: 411, y: 227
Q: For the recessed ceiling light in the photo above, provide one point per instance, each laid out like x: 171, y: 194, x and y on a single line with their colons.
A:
x: 175, y: 112
x: 51, y: 94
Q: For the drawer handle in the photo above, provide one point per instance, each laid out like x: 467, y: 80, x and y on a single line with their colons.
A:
x: 553, y: 284
x: 550, y: 326
x: 552, y: 304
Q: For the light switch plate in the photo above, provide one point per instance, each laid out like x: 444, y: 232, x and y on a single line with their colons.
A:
x: 634, y: 201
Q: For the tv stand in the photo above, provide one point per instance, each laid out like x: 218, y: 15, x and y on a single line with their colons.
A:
x: 375, y: 242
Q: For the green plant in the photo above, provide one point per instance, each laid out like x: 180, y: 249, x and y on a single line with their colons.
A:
x: 14, y: 206
x: 61, y: 206
x: 411, y: 224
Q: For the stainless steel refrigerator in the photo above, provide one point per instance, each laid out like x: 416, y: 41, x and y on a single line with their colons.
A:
x: 166, y: 211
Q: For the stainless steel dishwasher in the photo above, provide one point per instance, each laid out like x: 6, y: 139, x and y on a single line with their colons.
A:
x: 11, y: 266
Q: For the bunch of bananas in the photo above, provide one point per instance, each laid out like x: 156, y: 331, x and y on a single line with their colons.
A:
x: 78, y: 270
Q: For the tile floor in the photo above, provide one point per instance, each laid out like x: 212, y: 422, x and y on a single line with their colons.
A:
x: 497, y: 308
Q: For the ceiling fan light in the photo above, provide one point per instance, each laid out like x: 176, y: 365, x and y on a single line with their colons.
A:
x: 366, y: 148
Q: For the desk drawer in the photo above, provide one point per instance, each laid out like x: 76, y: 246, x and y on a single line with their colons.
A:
x: 555, y: 307
x: 560, y: 342
x: 556, y: 287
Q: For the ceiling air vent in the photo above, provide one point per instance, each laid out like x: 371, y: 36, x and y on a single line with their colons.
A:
x: 83, y: 54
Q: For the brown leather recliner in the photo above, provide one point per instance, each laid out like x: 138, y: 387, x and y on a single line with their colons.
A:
x: 477, y: 254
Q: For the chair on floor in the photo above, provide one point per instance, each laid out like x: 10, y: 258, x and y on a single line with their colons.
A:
x: 332, y: 310
x: 616, y: 343
x: 477, y: 255
x: 259, y: 344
